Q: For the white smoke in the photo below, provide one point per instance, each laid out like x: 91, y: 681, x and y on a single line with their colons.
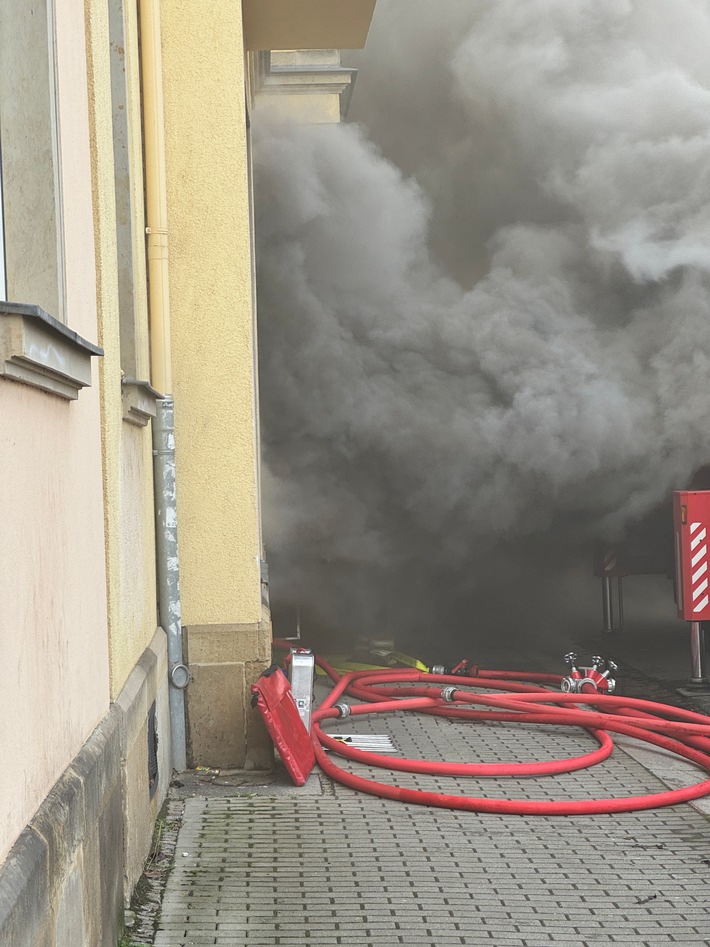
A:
x: 484, y: 325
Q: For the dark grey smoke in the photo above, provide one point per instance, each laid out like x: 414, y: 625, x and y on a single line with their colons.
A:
x: 484, y: 326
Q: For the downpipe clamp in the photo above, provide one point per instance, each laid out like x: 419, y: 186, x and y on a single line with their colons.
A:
x: 180, y: 676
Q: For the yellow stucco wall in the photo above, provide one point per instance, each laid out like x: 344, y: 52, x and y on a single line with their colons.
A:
x: 212, y: 312
x: 127, y: 458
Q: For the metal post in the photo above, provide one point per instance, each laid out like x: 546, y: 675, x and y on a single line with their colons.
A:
x: 169, y: 573
x: 698, y: 668
x: 607, y: 605
x: 620, y: 602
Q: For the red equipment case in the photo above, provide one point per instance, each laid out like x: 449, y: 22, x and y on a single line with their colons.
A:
x: 691, y: 518
x: 273, y: 699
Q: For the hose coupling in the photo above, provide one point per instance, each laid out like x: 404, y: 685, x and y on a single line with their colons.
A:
x: 448, y: 693
x: 343, y: 709
x: 611, y: 668
x: 463, y: 669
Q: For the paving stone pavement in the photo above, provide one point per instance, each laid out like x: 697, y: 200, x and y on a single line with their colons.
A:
x: 333, y: 866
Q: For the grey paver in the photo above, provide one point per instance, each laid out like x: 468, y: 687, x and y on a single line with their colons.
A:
x: 339, y: 867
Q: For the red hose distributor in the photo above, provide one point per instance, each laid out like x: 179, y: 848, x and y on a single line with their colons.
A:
x: 586, y: 680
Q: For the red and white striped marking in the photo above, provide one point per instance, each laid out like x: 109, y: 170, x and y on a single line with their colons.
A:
x: 699, y: 565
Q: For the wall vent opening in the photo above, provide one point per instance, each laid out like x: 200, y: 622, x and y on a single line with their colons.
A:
x: 152, y: 752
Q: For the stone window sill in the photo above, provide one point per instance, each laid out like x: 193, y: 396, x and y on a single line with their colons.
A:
x: 139, y: 400
x: 38, y: 350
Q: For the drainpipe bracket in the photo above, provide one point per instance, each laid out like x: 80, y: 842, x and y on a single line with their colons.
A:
x: 180, y: 676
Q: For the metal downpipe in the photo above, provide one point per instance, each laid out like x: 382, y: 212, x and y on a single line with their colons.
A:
x: 161, y: 375
x: 166, y: 539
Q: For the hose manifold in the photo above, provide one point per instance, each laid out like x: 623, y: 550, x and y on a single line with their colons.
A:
x: 581, y: 679
x: 447, y: 694
x: 600, y: 683
x: 343, y: 709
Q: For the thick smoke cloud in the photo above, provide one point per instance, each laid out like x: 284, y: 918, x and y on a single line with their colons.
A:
x: 483, y: 306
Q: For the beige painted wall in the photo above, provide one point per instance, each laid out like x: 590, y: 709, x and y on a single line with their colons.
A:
x: 53, y: 637
x: 307, y: 24
x: 304, y: 109
x: 53, y: 642
x: 212, y: 312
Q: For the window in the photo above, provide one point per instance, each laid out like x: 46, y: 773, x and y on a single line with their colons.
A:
x: 37, y: 348
x: 32, y: 243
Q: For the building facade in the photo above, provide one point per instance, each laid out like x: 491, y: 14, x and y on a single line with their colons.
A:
x: 129, y: 441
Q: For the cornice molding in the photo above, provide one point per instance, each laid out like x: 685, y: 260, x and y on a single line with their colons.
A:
x: 317, y: 77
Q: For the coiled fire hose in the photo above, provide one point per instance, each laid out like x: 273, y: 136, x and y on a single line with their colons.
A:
x: 522, y: 698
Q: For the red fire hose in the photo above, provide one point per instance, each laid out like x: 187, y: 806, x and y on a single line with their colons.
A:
x: 521, y: 699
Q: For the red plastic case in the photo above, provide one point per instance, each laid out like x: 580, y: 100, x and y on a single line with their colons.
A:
x: 691, y: 511
x: 274, y: 701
